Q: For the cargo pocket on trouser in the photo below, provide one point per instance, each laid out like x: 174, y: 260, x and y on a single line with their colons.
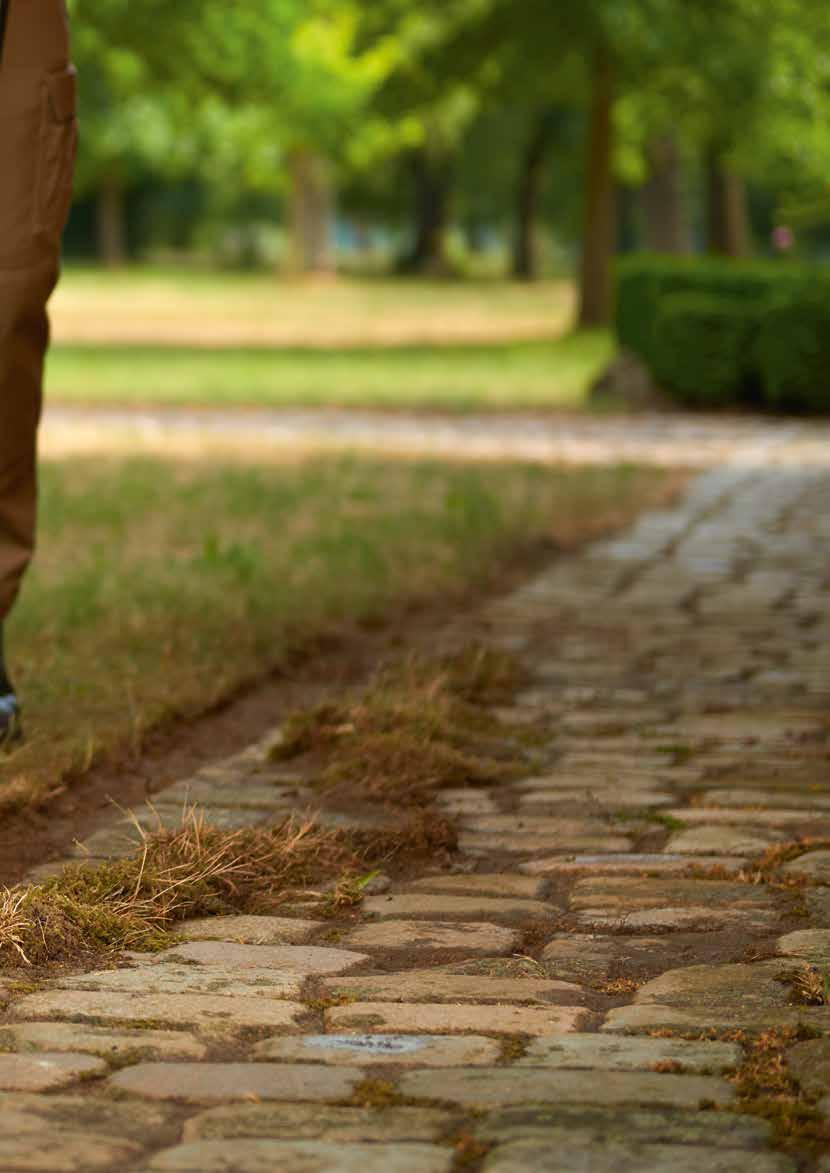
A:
x: 56, y: 157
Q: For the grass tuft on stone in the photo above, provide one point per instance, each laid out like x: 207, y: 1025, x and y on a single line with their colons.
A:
x: 191, y: 871
x: 418, y: 728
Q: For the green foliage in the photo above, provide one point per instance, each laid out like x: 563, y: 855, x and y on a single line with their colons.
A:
x: 718, y: 333
x: 703, y: 348
x: 793, y: 349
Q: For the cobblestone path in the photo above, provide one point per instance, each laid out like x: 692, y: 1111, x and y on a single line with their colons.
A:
x: 672, y: 440
x: 558, y: 998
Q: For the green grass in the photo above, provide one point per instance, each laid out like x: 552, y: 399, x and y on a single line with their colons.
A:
x: 519, y: 375
x: 161, y: 587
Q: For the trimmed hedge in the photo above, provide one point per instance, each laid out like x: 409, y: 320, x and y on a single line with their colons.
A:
x: 720, y: 333
x: 793, y: 350
x: 702, y: 352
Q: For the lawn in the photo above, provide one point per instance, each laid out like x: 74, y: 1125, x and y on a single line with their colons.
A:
x: 155, y: 337
x: 161, y: 587
x: 511, y: 376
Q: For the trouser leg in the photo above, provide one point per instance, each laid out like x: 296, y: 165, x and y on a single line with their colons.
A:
x: 37, y: 146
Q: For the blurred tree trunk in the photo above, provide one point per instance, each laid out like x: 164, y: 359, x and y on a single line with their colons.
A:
x: 665, y: 222
x: 526, y: 246
x: 310, y: 214
x: 727, y: 218
x: 111, y: 222
x: 432, y: 180
x: 596, y: 289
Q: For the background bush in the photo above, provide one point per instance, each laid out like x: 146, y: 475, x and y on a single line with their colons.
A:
x: 719, y: 333
x: 703, y: 347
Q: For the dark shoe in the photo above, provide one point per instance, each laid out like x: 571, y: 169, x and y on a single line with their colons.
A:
x: 11, y: 731
x: 10, y: 728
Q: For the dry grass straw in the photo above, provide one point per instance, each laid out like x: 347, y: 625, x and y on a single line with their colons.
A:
x: 419, y: 728
x: 192, y: 870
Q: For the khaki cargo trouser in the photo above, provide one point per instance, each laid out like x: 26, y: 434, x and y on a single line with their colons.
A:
x: 37, y: 152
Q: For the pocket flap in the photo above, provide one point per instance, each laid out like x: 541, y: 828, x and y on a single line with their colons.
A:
x: 63, y: 94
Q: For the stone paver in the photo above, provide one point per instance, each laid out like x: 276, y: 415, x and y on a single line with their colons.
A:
x: 303, y: 960
x: 483, y: 1087
x: 431, y: 906
x: 501, y: 884
x: 442, y: 1017
x: 435, y: 937
x: 319, y: 1122
x: 380, y: 1050
x: 601, y: 1053
x: 438, y: 984
x: 622, y: 1156
x: 109, y: 1044
x: 212, y: 1082
x: 529, y: 991
x: 46, y: 1072
x: 190, y: 1011
x: 250, y: 930
x: 814, y: 865
x: 264, y: 1156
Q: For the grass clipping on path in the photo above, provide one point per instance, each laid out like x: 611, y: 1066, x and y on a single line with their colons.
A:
x: 418, y: 729
x: 191, y: 871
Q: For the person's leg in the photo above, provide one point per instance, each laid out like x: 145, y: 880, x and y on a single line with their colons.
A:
x: 37, y: 149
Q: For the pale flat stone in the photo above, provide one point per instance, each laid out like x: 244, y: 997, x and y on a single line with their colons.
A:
x: 809, y: 1062
x: 250, y: 930
x: 691, y: 919
x: 426, y: 906
x: 654, y: 1017
x: 501, y: 884
x: 319, y: 1122
x: 93, y: 1117
x: 706, y: 815
x: 746, y: 796
x: 483, y: 1087
x: 620, y: 1155
x: 527, y: 843
x: 266, y: 1156
x: 609, y: 798
x: 200, y: 1011
x: 625, y: 894
x: 304, y: 960
x: 235, y: 792
x: 441, y: 1018
x: 815, y: 865
x: 632, y: 863
x: 438, y: 985
x: 435, y: 937
x: 605, y: 1053
x: 210, y: 1082
x: 46, y: 1071
x: 534, y: 824
x: 584, y: 957
x: 701, y: 996
x: 109, y: 1044
x: 728, y: 840
x: 190, y: 979
x: 378, y: 1050
x: 66, y: 1151
x: 225, y: 818
x: 558, y: 1124
x: 811, y: 945
x: 466, y: 802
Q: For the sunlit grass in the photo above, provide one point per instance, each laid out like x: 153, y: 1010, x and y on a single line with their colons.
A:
x: 161, y: 587
x: 535, y: 375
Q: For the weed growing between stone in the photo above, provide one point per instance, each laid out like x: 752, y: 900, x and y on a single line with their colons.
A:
x: 419, y: 728
x: 765, y: 1087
